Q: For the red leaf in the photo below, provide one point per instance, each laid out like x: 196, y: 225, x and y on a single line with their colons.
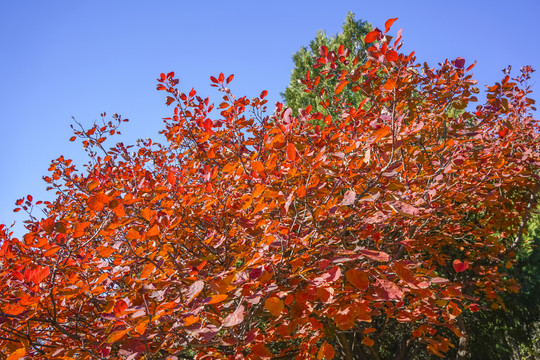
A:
x: 405, y: 273
x: 221, y: 77
x: 213, y: 79
x: 388, y: 24
x: 263, y: 94
x: 358, y: 278
x: 503, y: 132
x: 119, y: 308
x: 234, y: 318
x: 392, y: 55
x: 460, y: 266
x: 390, y: 290
x: 372, y: 36
x: 341, y: 49
x: 375, y: 255
x: 229, y: 79
x: 459, y: 63
x: 403, y: 208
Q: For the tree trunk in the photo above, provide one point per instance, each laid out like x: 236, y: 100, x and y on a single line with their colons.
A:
x: 462, y: 352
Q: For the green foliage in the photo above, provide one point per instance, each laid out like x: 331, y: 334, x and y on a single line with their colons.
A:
x: 352, y: 37
x: 513, y: 332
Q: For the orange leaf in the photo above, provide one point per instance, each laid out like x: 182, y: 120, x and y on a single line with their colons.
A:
x: 147, y: 270
x: 326, y: 351
x: 291, y: 152
x: 367, y: 341
x: 133, y: 234
x: 261, y: 351
x: 190, y: 320
x: 214, y: 299
x: 274, y: 305
x: 154, y: 231
x: 375, y: 255
x: 388, y: 24
x: 141, y: 327
x: 17, y: 354
x: 13, y: 309
x: 101, y: 278
x: 380, y: 133
x: 40, y: 274
x: 147, y: 213
x: 358, y: 278
x: 260, y: 206
x: 404, y: 273
x: 98, y: 202
x: 257, y: 166
x: 117, y: 335
x: 340, y: 86
x: 390, y: 84
x: 52, y: 251
x: 79, y: 229
x: 119, y: 211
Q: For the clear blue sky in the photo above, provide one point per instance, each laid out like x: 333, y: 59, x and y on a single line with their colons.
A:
x: 80, y: 58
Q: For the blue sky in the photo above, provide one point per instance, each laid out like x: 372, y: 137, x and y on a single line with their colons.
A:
x: 80, y: 58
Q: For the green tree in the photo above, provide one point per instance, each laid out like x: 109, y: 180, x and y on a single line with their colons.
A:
x: 512, y: 332
x: 352, y: 37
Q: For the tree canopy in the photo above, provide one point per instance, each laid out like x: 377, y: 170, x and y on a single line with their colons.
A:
x: 259, y: 236
x: 351, y: 37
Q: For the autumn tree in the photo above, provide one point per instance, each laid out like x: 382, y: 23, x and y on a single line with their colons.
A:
x: 248, y: 235
x: 351, y: 38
